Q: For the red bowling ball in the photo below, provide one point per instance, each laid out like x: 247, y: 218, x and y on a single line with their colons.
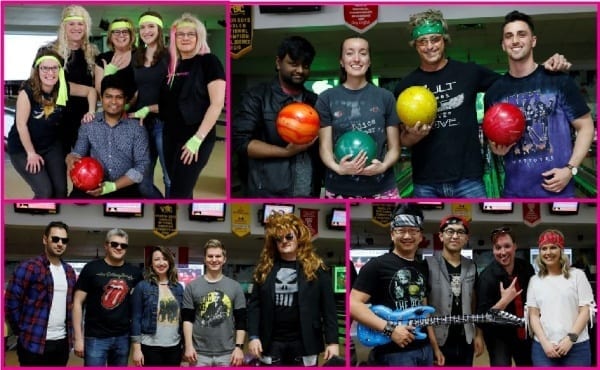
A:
x: 87, y: 174
x: 503, y: 123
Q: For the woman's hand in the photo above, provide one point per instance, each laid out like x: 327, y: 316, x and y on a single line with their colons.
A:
x: 348, y: 166
x: 35, y: 162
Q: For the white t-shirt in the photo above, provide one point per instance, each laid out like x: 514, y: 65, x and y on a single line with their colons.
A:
x: 58, y: 310
x: 558, y: 300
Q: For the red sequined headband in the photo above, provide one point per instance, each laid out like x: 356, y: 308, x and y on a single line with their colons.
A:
x: 553, y: 238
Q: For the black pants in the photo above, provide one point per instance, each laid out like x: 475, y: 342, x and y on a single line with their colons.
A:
x: 503, y: 350
x: 457, y: 352
x: 184, y: 176
x: 56, y: 353
x: 162, y: 356
x: 287, y: 353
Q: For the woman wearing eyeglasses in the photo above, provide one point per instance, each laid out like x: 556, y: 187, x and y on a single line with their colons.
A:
x: 560, y: 303
x: 358, y: 105
x: 34, y: 141
x: 118, y: 60
x: 156, y: 305
x: 191, y: 101
x: 292, y: 306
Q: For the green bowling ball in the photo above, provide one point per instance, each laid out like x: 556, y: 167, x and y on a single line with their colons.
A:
x: 352, y: 142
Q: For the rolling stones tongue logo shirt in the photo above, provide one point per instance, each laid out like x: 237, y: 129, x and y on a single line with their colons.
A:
x: 115, y: 292
x: 108, y: 290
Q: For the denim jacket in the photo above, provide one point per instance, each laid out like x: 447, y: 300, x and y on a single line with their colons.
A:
x: 144, y: 305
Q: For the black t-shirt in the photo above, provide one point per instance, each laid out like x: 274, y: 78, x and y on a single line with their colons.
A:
x: 396, y: 283
x: 455, y: 331
x: 42, y: 128
x: 107, y: 305
x: 452, y: 149
x: 126, y: 74
x: 286, y: 323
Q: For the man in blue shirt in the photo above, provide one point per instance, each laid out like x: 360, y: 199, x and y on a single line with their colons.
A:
x: 544, y: 161
x: 119, y: 143
x: 38, y: 302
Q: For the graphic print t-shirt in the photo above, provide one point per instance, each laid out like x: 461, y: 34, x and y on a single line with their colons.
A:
x: 287, y: 315
x: 550, y: 102
x: 395, y: 283
x: 214, y: 326
x: 108, y: 288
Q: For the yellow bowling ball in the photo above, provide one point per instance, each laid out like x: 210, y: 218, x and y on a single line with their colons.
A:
x: 416, y: 104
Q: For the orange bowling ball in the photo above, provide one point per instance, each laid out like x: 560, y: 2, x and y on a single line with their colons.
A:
x: 298, y: 123
x: 416, y: 104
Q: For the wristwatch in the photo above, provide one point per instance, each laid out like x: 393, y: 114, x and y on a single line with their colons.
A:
x: 240, y: 346
x: 572, y: 337
x: 572, y: 168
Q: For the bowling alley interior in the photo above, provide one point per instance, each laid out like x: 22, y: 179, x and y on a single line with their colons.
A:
x: 577, y: 221
x: 475, y: 33
x: 184, y: 230
x: 28, y: 27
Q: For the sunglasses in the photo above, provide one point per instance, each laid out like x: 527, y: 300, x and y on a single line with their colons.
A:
x: 289, y: 237
x: 499, y: 231
x: 55, y: 239
x: 117, y: 244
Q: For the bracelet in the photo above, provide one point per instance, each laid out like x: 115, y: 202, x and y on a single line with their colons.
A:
x: 389, y: 329
x: 240, y: 346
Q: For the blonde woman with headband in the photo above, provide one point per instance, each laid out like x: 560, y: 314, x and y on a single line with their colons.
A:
x: 78, y: 53
x: 560, y: 302
x: 192, y: 98
x: 292, y: 291
x: 150, y: 62
x: 118, y: 60
x: 34, y: 141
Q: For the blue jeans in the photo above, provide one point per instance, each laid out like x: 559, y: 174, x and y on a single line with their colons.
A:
x: 155, y: 140
x: 112, y: 351
x: 416, y: 357
x: 464, y: 188
x: 579, y: 355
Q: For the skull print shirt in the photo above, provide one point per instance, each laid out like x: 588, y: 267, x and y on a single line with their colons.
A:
x: 286, y: 320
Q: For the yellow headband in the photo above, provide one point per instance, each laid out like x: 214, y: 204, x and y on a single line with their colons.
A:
x: 63, y: 96
x: 186, y: 24
x: 152, y: 19
x: 120, y: 24
x: 73, y: 18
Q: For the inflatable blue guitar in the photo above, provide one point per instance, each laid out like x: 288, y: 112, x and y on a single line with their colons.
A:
x: 418, y: 318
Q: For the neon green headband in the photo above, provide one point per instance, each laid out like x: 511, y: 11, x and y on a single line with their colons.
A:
x: 186, y: 24
x: 428, y: 28
x: 120, y: 24
x: 73, y: 18
x: 63, y: 96
x: 152, y: 19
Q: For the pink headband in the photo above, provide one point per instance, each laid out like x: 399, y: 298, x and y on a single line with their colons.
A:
x: 553, y: 238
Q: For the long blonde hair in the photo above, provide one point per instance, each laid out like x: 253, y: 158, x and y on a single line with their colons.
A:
x: 276, y: 225
x: 61, y: 44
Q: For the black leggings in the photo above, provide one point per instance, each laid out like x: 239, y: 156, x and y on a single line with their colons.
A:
x: 184, y: 177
